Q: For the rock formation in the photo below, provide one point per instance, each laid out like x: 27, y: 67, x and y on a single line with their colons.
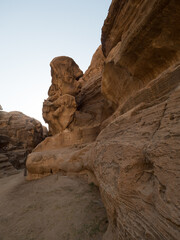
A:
x: 90, y: 112
x: 132, y: 103
x: 59, y: 108
x: 19, y: 134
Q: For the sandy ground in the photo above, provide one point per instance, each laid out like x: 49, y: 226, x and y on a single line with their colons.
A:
x: 53, y: 208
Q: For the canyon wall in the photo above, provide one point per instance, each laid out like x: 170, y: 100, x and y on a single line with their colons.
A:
x: 124, y: 130
x: 76, y: 125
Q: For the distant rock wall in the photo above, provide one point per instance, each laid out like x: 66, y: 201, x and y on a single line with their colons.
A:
x: 130, y: 99
x: 19, y: 134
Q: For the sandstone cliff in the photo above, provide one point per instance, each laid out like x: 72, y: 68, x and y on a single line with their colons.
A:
x: 77, y: 124
x: 19, y: 134
x: 125, y: 129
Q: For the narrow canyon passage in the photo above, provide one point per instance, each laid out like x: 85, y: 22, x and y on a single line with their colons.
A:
x: 55, y: 207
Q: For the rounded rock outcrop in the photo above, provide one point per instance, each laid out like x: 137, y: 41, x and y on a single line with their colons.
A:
x: 59, y: 108
x: 19, y: 135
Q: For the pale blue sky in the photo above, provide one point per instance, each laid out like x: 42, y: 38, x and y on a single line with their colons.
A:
x: 32, y: 33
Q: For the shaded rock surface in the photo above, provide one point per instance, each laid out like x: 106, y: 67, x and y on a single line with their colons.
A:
x: 140, y: 40
x: 96, y: 65
x: 6, y: 168
x: 93, y: 108
x: 133, y: 99
x: 19, y: 134
x: 57, y: 207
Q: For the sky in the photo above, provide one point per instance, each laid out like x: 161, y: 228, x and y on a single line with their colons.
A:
x: 32, y: 33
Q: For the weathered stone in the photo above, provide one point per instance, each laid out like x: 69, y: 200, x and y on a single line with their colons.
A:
x: 96, y: 67
x: 65, y: 75
x: 80, y: 126
x: 81, y: 107
x: 135, y: 157
x: 136, y: 163
x: 59, y: 108
x: 59, y: 113
x: 137, y: 153
x: 19, y: 134
x: 93, y: 108
x: 140, y: 39
x: 6, y: 168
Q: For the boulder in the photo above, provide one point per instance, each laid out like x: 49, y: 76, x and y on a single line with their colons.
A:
x: 19, y: 134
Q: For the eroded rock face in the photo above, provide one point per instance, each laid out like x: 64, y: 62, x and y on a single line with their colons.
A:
x: 140, y: 40
x: 96, y: 67
x: 92, y: 107
x: 137, y: 153
x: 75, y: 104
x: 65, y: 75
x: 19, y: 134
x: 59, y: 113
x: 136, y: 163
x: 89, y: 113
x: 59, y: 108
x: 135, y: 158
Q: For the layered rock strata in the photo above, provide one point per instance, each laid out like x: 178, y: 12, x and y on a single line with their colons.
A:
x: 137, y: 163
x: 134, y: 156
x: 140, y: 40
x: 19, y: 134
